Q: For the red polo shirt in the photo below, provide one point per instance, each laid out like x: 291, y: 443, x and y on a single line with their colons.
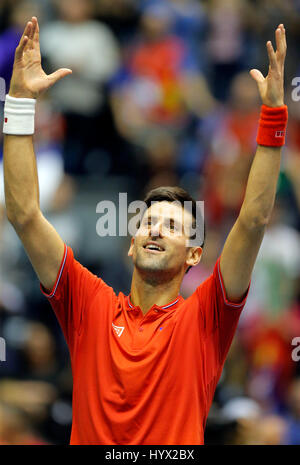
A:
x: 141, y: 379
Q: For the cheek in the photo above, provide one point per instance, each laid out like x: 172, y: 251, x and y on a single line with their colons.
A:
x: 180, y: 250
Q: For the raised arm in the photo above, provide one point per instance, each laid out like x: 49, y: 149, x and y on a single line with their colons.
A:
x: 243, y: 242
x: 42, y: 243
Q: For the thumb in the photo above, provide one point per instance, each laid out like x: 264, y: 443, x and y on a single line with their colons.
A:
x: 260, y: 80
x: 257, y: 76
x: 59, y: 74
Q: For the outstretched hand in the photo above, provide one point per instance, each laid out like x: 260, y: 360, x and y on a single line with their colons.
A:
x: 28, y: 78
x: 271, y: 86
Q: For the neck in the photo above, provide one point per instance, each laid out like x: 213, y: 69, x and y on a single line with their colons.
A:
x: 147, y: 291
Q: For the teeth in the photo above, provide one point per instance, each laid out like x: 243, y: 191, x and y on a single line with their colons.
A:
x: 154, y: 247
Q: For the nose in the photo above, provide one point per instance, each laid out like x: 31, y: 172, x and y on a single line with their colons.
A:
x: 156, y: 229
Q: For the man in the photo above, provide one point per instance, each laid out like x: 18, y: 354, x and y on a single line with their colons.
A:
x: 145, y: 366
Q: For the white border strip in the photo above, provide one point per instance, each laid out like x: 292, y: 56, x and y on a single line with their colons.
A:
x: 170, y: 305
x: 59, y: 276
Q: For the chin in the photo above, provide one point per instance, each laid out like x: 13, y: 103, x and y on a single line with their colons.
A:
x: 158, y: 269
x: 145, y: 265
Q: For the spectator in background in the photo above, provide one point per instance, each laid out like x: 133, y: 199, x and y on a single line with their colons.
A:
x: 72, y: 40
x: 277, y: 271
x: 39, y: 358
x: 271, y: 367
x: 160, y: 92
x: 189, y: 24
x: 250, y: 425
x: 160, y: 79
x: 226, y: 45
x: 242, y: 414
x: 291, y: 164
x: 15, y: 429
x: 292, y: 436
x: 121, y: 16
x: 42, y: 390
x: 230, y: 134
x: 286, y: 11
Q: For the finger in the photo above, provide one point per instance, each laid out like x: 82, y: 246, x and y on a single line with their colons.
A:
x: 36, y: 37
x: 284, y: 36
x: 280, y: 42
x: 283, y: 39
x: 257, y: 76
x: 32, y: 31
x: 26, y: 31
x: 59, y: 74
x: 23, y: 41
x: 20, y: 48
x: 272, y: 56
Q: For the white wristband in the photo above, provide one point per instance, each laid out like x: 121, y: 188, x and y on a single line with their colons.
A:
x: 19, y: 116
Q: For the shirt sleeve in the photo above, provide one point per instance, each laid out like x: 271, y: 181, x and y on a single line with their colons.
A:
x: 219, y: 315
x: 72, y: 294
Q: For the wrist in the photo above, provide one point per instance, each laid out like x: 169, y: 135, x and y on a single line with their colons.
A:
x: 20, y: 94
x: 19, y: 91
x: 19, y: 115
x: 274, y: 105
x: 272, y: 126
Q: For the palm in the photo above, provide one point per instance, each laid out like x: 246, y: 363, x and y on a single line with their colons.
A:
x: 34, y: 77
x: 28, y: 78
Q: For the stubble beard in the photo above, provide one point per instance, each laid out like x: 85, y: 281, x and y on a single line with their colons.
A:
x: 155, y: 270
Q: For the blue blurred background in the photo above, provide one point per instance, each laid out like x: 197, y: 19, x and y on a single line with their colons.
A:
x: 160, y: 95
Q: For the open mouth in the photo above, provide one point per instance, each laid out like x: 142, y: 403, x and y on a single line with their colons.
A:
x: 154, y: 248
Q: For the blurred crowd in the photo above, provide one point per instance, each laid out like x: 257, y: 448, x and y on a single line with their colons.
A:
x: 160, y: 95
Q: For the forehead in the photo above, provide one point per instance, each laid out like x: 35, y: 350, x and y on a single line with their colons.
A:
x: 169, y: 210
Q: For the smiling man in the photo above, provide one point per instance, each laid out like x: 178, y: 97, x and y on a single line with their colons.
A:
x: 145, y: 366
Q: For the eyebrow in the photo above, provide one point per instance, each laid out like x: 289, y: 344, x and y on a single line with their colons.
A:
x: 169, y: 218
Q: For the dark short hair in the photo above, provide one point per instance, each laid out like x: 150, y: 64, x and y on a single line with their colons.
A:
x: 171, y: 194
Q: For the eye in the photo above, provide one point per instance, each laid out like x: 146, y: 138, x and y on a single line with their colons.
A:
x: 146, y: 222
x: 172, y: 226
x: 149, y: 224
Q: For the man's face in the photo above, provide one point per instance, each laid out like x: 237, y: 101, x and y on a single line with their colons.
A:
x: 160, y: 246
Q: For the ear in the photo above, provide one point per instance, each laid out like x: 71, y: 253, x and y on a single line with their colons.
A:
x: 130, y: 251
x: 194, y: 256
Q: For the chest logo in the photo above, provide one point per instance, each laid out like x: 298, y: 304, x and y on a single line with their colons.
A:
x: 118, y: 329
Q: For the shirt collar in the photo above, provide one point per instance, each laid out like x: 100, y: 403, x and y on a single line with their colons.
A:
x: 164, y: 308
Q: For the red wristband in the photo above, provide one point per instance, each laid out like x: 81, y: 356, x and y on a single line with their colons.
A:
x: 272, y: 126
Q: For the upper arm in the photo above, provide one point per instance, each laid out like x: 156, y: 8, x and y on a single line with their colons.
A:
x: 218, y: 317
x: 238, y: 258
x: 44, y: 247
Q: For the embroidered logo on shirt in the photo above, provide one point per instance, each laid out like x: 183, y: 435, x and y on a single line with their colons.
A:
x: 118, y: 329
